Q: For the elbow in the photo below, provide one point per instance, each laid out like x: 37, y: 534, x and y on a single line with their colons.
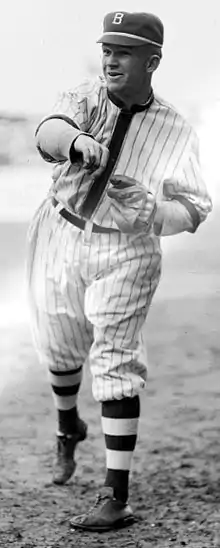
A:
x: 42, y: 142
x: 54, y: 137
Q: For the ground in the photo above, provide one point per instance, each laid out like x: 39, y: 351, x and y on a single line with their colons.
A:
x: 175, y: 481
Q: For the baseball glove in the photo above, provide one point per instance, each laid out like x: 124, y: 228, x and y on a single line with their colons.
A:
x: 133, y: 206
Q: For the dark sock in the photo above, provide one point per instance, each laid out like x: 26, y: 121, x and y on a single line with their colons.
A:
x: 67, y: 421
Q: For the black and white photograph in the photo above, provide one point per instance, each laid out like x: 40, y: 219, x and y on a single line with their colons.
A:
x: 110, y: 274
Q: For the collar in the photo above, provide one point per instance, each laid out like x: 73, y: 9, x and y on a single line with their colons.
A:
x: 134, y: 108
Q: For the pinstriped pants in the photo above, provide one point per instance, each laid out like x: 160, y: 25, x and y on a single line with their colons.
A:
x: 89, y: 299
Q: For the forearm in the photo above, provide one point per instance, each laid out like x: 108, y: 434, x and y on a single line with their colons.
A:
x: 54, y: 138
x: 171, y: 218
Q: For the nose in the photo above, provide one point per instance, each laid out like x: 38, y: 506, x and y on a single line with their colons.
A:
x: 112, y: 60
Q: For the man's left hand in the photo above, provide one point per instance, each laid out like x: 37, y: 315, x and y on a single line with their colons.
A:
x: 132, y: 202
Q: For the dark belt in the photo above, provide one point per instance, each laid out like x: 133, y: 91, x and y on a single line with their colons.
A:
x: 80, y: 223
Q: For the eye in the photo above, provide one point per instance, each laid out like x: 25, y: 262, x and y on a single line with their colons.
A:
x: 125, y: 52
x: 106, y: 51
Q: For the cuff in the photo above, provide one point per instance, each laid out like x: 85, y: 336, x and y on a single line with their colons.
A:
x: 191, y: 209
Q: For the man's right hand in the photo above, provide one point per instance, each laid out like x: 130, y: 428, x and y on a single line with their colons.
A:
x: 95, y: 155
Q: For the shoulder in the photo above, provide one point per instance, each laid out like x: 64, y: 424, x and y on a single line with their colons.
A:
x: 169, y: 109
x: 83, y: 97
x: 88, y: 88
x: 175, y: 119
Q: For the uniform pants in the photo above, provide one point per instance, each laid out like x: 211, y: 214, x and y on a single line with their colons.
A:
x: 89, y: 297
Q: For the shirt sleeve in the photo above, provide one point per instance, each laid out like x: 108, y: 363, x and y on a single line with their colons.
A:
x: 186, y: 199
x: 70, y: 117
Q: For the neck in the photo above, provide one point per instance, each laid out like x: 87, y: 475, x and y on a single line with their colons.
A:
x: 139, y: 98
x: 123, y: 101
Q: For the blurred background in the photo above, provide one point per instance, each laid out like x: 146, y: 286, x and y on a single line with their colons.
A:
x: 47, y: 46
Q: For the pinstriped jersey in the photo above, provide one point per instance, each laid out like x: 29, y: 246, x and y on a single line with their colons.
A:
x: 160, y: 151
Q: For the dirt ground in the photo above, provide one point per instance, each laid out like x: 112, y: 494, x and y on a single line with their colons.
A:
x: 175, y: 481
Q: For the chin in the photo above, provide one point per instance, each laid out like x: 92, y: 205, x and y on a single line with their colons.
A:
x: 115, y: 87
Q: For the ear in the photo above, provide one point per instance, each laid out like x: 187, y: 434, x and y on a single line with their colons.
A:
x: 153, y: 63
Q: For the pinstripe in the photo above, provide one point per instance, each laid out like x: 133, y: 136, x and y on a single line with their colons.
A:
x: 131, y: 321
x: 193, y: 173
x: 134, y: 143
x: 115, y: 323
x: 148, y: 277
x: 107, y: 264
x: 78, y: 189
x: 55, y: 295
x: 82, y: 325
x: 66, y: 327
x: 133, y: 285
x: 93, y: 114
x: 81, y: 310
x: 160, y: 154
x: 147, y: 151
x: 77, y: 323
x: 58, y: 332
x: 104, y: 117
x: 110, y: 123
x: 149, y: 129
x: 172, y: 152
x: 49, y: 325
x: 184, y: 145
x: 94, y: 295
x: 44, y: 262
x: 128, y: 263
x: 145, y: 154
x: 112, y: 314
x: 154, y: 142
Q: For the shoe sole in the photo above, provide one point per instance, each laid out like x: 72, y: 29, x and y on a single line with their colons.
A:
x: 119, y: 524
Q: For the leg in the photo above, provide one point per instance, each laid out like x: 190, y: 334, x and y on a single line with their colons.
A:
x: 62, y: 334
x: 117, y: 305
x: 120, y: 424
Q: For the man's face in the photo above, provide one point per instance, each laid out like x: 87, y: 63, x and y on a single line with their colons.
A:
x: 124, y: 68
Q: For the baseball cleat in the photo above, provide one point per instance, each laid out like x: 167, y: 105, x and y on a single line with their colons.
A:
x: 65, y: 465
x: 105, y: 515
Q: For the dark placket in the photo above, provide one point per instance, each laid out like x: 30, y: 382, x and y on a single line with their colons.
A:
x: 96, y: 191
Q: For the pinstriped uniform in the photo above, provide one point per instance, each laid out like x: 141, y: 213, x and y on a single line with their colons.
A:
x: 90, y: 293
x: 160, y: 146
x: 91, y: 299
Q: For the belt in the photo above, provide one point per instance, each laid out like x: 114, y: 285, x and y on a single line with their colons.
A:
x: 80, y: 223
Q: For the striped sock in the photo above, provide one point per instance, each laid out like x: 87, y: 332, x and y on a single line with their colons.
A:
x: 65, y: 388
x: 120, y: 425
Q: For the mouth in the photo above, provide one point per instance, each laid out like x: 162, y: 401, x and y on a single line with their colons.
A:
x: 114, y: 75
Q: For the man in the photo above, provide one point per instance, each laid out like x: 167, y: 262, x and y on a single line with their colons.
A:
x: 126, y: 172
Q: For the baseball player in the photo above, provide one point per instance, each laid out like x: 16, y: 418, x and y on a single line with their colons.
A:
x: 126, y: 172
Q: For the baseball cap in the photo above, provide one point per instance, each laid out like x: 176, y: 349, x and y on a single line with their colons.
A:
x: 132, y: 29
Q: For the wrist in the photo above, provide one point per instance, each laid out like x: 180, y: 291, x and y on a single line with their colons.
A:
x: 75, y: 152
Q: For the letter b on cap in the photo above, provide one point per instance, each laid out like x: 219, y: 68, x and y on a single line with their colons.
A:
x: 118, y: 18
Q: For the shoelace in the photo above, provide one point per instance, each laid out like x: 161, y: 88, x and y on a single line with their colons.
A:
x: 99, y: 498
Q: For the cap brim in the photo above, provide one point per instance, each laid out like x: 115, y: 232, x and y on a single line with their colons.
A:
x: 118, y: 39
